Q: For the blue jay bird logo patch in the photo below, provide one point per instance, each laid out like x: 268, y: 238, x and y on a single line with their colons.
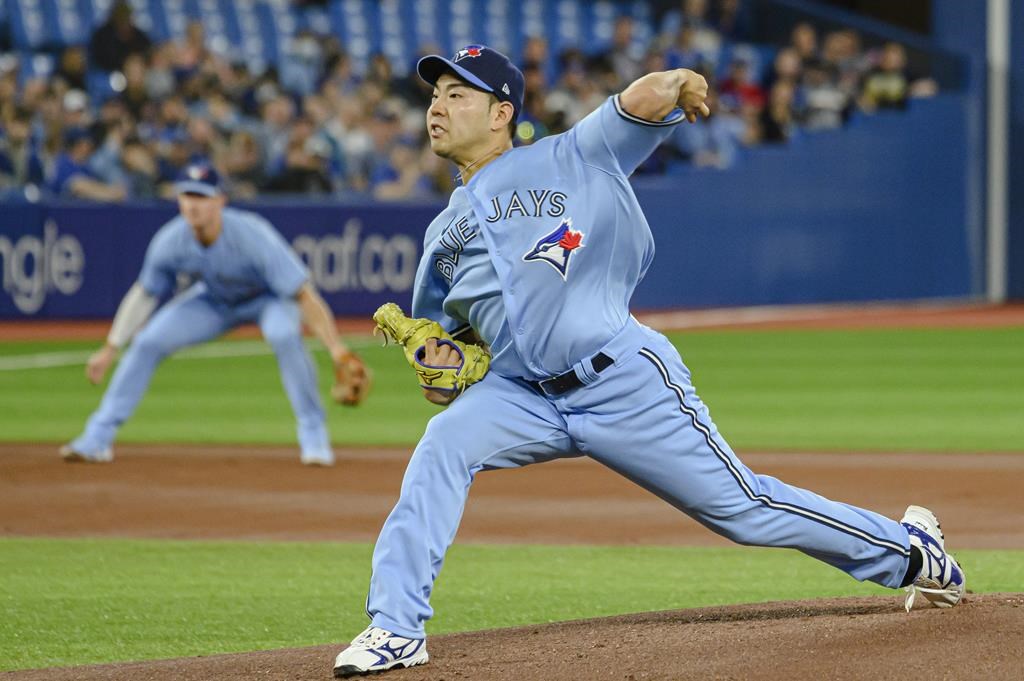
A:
x: 557, y: 248
x: 468, y: 51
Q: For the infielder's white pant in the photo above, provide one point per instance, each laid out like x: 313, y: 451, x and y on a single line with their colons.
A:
x: 640, y: 417
x: 196, y: 317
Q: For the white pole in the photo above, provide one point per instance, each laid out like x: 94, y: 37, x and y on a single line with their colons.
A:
x: 998, y: 49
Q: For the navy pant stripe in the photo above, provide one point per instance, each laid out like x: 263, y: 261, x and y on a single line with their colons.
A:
x: 761, y: 498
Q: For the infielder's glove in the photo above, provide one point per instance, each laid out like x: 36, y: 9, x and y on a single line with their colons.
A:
x: 352, y: 379
x: 412, y: 335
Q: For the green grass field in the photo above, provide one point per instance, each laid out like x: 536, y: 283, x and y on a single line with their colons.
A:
x: 884, y: 390
x: 79, y: 601
x: 70, y: 602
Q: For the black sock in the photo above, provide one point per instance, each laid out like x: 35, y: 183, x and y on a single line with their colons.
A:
x: 914, y: 568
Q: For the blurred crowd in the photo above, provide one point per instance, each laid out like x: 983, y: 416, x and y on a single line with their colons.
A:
x: 319, y: 127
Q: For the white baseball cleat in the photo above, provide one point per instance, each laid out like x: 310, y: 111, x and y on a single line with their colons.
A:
x: 317, y: 457
x: 377, y: 650
x: 72, y: 454
x: 941, y: 580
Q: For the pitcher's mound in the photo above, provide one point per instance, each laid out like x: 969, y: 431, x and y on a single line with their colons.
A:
x: 849, y: 638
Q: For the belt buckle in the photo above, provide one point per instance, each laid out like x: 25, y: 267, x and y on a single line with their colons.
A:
x: 543, y: 386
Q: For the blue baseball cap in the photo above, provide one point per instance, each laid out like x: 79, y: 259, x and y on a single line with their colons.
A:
x: 198, y: 178
x: 481, y: 67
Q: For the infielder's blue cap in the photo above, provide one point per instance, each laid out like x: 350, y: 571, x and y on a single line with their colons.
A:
x: 198, y: 178
x: 481, y: 67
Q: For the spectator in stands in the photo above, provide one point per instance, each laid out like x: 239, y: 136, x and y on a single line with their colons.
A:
x: 190, y: 52
x: 804, y: 39
x: 116, y: 39
x: 730, y: 21
x: 172, y: 155
x: 706, y: 39
x: 535, y: 52
x: 536, y: 120
x: 72, y: 176
x: 842, y: 56
x: 221, y: 112
x: 140, y: 170
x: 825, y: 105
x: 137, y: 95
x: 787, y: 66
x: 319, y: 111
x: 623, y: 57
x: 340, y: 79
x: 274, y: 131
x: 777, y: 121
x: 350, y: 129
x: 576, y: 93
x: 20, y: 163
x: 303, y: 63
x: 889, y: 85
x: 380, y: 73
x: 173, y: 115
x: 242, y: 159
x: 76, y: 112
x: 204, y: 141
x: 405, y: 178
x: 159, y: 80
x: 304, y: 167
x: 536, y: 55
x: 384, y: 128
x: 683, y: 52
x: 740, y: 86
x: 72, y: 67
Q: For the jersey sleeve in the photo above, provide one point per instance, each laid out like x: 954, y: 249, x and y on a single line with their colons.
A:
x: 616, y: 141
x: 158, y: 275
x: 282, y: 270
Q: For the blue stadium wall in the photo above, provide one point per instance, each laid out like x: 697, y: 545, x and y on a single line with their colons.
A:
x: 878, y: 210
x: 1016, y: 236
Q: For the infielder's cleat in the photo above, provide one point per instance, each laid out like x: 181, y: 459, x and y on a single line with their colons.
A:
x: 941, y: 580
x: 317, y: 457
x: 377, y: 650
x: 72, y: 454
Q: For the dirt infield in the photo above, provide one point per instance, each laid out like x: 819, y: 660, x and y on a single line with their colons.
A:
x: 850, y: 639
x: 264, y: 493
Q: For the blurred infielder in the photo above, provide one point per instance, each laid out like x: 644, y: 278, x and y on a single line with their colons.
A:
x: 244, y: 272
x: 537, y: 255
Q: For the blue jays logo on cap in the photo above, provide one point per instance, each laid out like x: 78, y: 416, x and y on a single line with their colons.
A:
x: 198, y: 178
x: 482, y: 67
x: 468, y: 51
x: 557, y: 248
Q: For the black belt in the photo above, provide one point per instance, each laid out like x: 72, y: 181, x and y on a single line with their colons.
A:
x: 562, y: 383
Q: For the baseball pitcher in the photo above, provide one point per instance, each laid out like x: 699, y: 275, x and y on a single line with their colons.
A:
x: 243, y: 271
x: 521, y: 324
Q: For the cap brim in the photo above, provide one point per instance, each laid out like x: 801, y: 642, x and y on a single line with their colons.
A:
x: 187, y: 187
x: 432, y: 66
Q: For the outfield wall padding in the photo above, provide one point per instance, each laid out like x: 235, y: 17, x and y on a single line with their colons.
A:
x: 878, y: 210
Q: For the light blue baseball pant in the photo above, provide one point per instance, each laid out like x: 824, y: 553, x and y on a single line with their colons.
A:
x: 640, y: 417
x: 195, y: 317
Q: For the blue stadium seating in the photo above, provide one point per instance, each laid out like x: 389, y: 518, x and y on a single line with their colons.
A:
x: 259, y: 32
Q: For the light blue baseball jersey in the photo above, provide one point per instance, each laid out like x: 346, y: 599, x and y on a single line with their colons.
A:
x: 249, y: 274
x: 249, y: 258
x: 540, y: 253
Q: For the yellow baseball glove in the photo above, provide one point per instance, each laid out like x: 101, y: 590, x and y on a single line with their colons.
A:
x: 412, y: 335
